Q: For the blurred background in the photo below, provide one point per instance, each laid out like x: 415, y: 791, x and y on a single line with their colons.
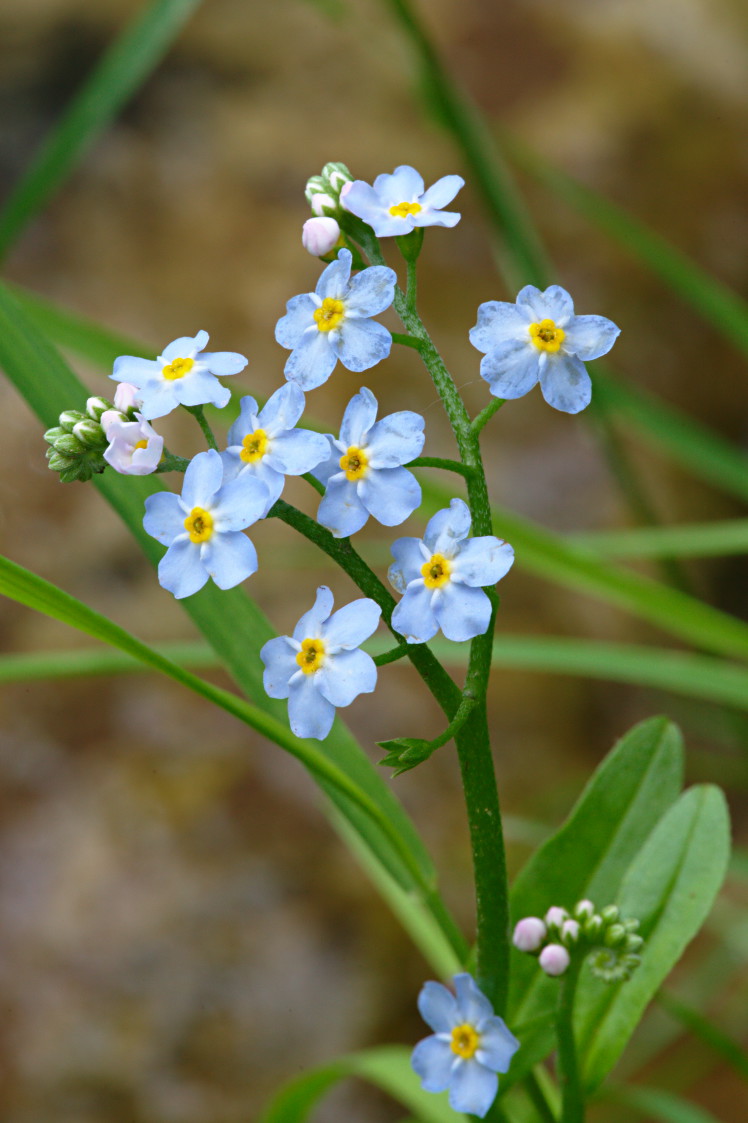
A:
x: 180, y: 930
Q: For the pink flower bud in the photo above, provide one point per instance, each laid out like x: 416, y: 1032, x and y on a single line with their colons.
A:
x: 135, y: 448
x: 554, y: 959
x: 556, y: 916
x: 320, y: 201
x: 529, y: 934
x: 126, y: 397
x: 320, y: 235
x: 570, y: 931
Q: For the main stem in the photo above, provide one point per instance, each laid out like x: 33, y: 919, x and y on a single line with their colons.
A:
x: 572, y: 1098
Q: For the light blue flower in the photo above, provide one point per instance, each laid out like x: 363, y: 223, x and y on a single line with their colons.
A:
x: 442, y: 578
x: 364, y: 474
x: 183, y: 374
x: 320, y: 666
x: 264, y: 443
x: 203, y: 526
x: 396, y: 203
x: 470, y: 1044
x: 540, y: 339
x: 334, y: 322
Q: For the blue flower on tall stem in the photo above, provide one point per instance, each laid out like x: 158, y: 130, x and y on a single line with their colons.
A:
x: 264, y: 443
x: 469, y: 1046
x: 539, y: 339
x: 202, y: 527
x: 398, y: 203
x: 320, y: 667
x: 364, y: 474
x: 334, y: 322
x: 442, y: 577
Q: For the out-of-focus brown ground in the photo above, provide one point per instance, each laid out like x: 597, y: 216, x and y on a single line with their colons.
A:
x: 179, y: 928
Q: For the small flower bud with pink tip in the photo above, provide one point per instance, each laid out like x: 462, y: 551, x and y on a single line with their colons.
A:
x: 584, y: 909
x: 529, y: 934
x: 126, y: 397
x: 554, y: 959
x: 320, y: 235
x: 570, y: 932
x: 322, y: 203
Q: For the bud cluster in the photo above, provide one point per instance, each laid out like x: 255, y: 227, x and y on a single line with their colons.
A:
x: 78, y: 441
x: 613, y: 941
x: 323, y: 191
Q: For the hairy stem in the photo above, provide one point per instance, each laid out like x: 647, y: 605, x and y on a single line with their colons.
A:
x: 572, y: 1098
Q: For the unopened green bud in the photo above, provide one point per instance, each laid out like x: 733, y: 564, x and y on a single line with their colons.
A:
x: 593, y: 928
x: 69, y: 445
x: 631, y: 925
x: 69, y: 417
x: 633, y: 943
x: 51, y: 435
x: 96, y: 406
x: 58, y: 462
x: 335, y: 175
x: 610, y: 914
x: 79, y: 472
x: 614, y: 936
x: 583, y: 910
x: 90, y: 433
x: 323, y: 191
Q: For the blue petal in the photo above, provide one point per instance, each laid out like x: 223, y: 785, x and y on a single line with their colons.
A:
x: 202, y: 479
x: 185, y: 346
x: 498, y: 322
x: 413, y: 617
x: 473, y: 1088
x: 309, y: 714
x: 362, y: 200
x: 409, y: 557
x: 405, y: 185
x: 200, y: 387
x: 497, y: 1045
x: 483, y: 561
x: 180, y: 569
x: 447, y: 528
x: 462, y: 613
x: 512, y: 368
x: 272, y: 480
x: 395, y: 439
x: 330, y: 466
x: 130, y: 368
x: 553, y: 304
x: 157, y: 399
x: 390, y: 495
x: 279, y: 658
x: 282, y: 409
x: 297, y: 451
x: 224, y: 362
x: 360, y: 414
x: 232, y: 463
x: 244, y: 424
x: 313, y: 360
x: 438, y: 1007
x: 442, y: 192
x: 239, y: 503
x: 346, y: 676
x: 361, y: 344
x: 371, y: 291
x: 310, y: 624
x: 352, y: 624
x: 590, y: 337
x: 164, y: 517
x: 432, y: 1060
x: 229, y: 558
x: 299, y: 316
x: 472, y: 1003
x: 334, y: 279
x: 341, y: 510
x: 565, y: 383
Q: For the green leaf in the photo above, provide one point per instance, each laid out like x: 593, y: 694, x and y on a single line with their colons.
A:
x: 699, y: 540
x: 588, y: 857
x: 670, y: 887
x: 230, y: 621
x: 118, y: 75
x: 659, y: 1106
x: 388, y: 1068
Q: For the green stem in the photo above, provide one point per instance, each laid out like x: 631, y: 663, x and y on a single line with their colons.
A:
x: 199, y: 414
x: 440, y: 462
x: 572, y: 1097
x: 405, y: 340
x: 391, y: 656
x: 486, y: 414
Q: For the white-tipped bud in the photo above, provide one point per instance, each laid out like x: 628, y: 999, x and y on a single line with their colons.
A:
x: 555, y: 916
x: 96, y: 406
x: 554, y: 959
x: 320, y: 235
x: 610, y: 914
x: 321, y: 203
x: 583, y: 910
x: 570, y: 932
x: 126, y: 397
x: 529, y: 934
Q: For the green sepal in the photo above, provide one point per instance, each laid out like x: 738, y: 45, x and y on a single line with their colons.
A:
x: 405, y: 753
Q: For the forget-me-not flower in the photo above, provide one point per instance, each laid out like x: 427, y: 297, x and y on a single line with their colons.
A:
x: 264, y: 443
x: 364, y: 474
x: 540, y: 339
x: 202, y: 527
x: 469, y: 1046
x: 320, y: 666
x: 134, y: 448
x: 334, y: 322
x: 183, y: 374
x: 397, y: 203
x: 441, y: 578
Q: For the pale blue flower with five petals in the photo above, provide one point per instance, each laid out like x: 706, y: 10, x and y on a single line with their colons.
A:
x: 364, y: 474
x: 183, y: 374
x: 202, y: 527
x: 469, y: 1046
x: 264, y: 443
x: 442, y: 578
x: 539, y: 339
x: 321, y: 667
x: 397, y: 203
x: 334, y: 322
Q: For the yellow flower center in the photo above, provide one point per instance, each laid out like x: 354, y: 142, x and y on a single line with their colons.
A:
x: 200, y: 525
x: 436, y: 571
x: 465, y: 1041
x: 546, y: 336
x: 177, y: 368
x: 140, y: 444
x: 312, y: 655
x: 330, y: 314
x: 254, y: 446
x: 355, y: 464
x: 403, y: 210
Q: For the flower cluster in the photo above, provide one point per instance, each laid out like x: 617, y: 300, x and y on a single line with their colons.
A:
x: 613, y: 942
